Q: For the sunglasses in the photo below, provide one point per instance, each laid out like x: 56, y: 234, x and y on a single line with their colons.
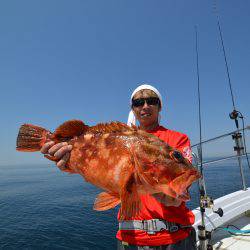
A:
x: 141, y: 101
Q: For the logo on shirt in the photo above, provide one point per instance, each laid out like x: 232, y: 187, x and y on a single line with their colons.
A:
x: 187, y: 153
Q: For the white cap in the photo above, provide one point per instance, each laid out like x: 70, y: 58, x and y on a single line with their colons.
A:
x: 131, y: 116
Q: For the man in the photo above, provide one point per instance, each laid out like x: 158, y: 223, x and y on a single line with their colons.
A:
x: 168, y: 220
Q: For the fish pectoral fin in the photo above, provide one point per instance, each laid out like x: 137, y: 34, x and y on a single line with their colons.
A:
x: 130, y: 199
x: 105, y: 201
x: 70, y: 129
x: 144, y: 176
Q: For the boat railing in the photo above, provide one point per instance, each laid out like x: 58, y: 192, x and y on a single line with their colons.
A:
x: 221, y: 136
x: 239, y: 148
x: 228, y: 206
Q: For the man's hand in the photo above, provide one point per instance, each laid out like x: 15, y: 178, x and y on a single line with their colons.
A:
x: 167, y: 200
x: 60, y: 151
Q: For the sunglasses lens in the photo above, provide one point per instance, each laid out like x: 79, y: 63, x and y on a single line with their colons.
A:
x: 138, y: 102
x: 150, y: 101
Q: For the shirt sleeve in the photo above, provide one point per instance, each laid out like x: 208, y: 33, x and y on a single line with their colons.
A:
x: 184, y: 146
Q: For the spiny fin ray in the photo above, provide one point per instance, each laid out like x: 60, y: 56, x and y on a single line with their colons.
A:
x: 70, y: 129
x: 110, y: 127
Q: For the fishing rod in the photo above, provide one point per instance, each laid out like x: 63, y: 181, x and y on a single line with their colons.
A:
x: 205, y: 201
x: 202, y: 189
x: 240, y: 142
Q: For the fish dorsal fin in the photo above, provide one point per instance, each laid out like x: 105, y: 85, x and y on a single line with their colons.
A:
x: 70, y: 129
x: 111, y: 127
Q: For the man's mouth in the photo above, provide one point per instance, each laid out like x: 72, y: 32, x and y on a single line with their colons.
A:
x: 145, y: 115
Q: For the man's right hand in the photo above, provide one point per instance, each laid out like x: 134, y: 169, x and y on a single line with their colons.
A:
x: 60, y: 151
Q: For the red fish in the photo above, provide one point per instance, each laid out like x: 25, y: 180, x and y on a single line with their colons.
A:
x: 125, y: 162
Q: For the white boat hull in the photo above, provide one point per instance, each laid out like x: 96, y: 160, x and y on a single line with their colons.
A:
x: 236, y: 207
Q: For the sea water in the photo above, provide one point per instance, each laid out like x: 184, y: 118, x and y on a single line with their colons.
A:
x: 43, y: 208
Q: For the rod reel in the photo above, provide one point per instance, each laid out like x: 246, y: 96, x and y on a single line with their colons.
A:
x: 240, y: 150
x: 206, y: 201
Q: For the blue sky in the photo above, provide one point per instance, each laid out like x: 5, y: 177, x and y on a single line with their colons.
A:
x: 81, y: 59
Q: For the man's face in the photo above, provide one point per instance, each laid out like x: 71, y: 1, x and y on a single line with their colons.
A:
x: 146, y: 114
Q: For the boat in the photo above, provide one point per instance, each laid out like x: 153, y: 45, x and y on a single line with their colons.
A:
x: 223, y: 223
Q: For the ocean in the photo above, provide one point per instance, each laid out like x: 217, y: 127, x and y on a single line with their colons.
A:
x: 43, y: 208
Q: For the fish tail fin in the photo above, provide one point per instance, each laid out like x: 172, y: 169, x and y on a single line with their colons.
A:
x: 31, y: 138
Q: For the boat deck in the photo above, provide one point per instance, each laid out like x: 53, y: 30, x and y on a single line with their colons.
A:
x: 224, y: 240
x: 236, y: 208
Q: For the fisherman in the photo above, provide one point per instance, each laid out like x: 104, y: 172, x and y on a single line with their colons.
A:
x: 163, y: 222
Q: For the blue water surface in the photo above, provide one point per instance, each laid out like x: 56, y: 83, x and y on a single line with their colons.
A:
x: 43, y: 208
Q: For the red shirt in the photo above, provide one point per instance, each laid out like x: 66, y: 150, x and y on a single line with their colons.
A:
x: 152, y: 209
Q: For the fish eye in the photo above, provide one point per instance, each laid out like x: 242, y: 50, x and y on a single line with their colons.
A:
x: 176, y: 155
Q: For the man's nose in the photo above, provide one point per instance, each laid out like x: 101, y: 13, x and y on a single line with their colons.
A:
x: 145, y: 105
